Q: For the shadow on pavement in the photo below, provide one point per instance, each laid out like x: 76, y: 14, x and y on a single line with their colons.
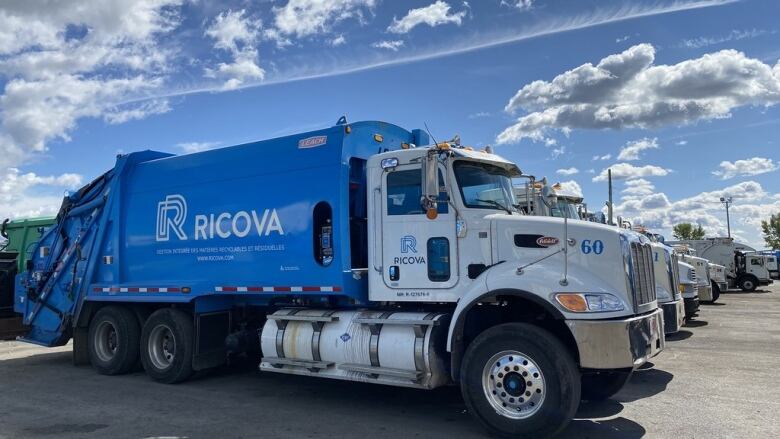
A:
x: 603, y: 428
x: 679, y: 335
x: 696, y: 323
x: 713, y: 303
x: 643, y: 384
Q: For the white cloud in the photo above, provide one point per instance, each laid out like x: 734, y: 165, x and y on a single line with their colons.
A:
x: 568, y: 171
x: 734, y: 35
x: 305, y: 18
x: 28, y: 194
x: 433, y: 15
x: 236, y: 34
x: 522, y: 5
x: 627, y: 171
x: 338, y: 41
x: 747, y: 167
x: 192, y: 147
x: 478, y: 115
x: 393, y: 45
x: 632, y: 149
x: 125, y: 113
x: 626, y: 90
x: 682, y: 143
x: 602, y: 157
x: 557, y: 152
x: 571, y: 188
x: 622, y: 39
x: 638, y: 188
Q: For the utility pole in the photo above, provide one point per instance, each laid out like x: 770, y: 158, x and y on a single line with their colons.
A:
x: 727, y: 202
x: 609, y: 203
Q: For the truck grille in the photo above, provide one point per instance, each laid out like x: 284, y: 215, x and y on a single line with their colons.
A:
x: 674, y: 273
x: 642, y: 273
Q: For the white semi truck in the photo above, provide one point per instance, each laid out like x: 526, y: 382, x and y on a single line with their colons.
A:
x: 744, y: 268
x: 701, y: 265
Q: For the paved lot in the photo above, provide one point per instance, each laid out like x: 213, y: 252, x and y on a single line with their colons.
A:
x: 716, y: 379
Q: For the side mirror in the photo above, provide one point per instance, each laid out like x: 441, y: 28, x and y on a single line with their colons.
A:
x: 549, y: 195
x: 430, y: 179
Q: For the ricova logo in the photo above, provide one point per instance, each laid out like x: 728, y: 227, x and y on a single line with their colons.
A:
x: 172, y: 214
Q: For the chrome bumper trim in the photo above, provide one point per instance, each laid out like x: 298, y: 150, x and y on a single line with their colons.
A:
x: 617, y: 344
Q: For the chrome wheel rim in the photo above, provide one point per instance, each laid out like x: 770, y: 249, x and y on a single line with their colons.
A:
x: 513, y: 384
x: 106, y: 341
x: 162, y: 346
x: 748, y: 284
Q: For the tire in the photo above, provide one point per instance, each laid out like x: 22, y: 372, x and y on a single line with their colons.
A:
x: 599, y: 386
x: 748, y: 284
x: 526, y: 350
x: 167, y: 343
x: 113, y: 340
x: 715, y: 292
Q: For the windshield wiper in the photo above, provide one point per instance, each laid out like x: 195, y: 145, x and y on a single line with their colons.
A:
x: 495, y: 203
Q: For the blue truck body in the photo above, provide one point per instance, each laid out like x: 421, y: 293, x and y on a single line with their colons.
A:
x: 212, y: 230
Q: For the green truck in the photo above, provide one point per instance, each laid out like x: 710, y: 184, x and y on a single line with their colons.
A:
x: 18, y: 237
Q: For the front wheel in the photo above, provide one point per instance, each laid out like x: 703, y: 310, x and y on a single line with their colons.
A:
x: 598, y: 386
x: 748, y: 284
x: 519, y: 380
x: 715, y: 292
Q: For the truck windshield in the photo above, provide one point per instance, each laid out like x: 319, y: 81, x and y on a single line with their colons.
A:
x: 484, y: 186
x: 565, y: 209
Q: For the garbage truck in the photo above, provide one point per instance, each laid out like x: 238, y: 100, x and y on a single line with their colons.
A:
x: 18, y: 236
x: 745, y: 269
x: 359, y: 252
x: 543, y: 199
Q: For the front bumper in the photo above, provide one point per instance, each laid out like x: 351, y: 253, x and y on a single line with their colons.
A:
x: 674, y: 315
x: 691, y: 307
x: 617, y: 344
x: 705, y: 293
x: 765, y: 282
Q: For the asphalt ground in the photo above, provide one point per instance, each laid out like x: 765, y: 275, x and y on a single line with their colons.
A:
x: 717, y: 378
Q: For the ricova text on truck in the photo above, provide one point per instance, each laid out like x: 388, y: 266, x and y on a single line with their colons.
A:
x: 356, y: 256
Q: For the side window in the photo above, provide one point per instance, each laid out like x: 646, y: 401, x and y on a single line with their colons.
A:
x: 404, y: 190
x: 755, y: 262
x: 439, y: 259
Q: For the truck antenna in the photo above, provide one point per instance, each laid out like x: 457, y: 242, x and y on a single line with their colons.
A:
x: 429, y: 134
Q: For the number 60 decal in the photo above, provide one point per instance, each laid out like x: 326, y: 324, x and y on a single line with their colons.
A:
x: 597, y: 246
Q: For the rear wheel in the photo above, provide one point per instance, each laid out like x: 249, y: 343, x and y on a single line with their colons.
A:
x: 599, y: 386
x: 518, y: 379
x: 113, y: 340
x: 748, y: 284
x: 167, y: 346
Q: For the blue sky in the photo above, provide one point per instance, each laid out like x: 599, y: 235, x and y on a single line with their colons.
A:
x: 682, y: 107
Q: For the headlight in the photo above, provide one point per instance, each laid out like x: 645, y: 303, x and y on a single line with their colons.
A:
x: 589, y: 302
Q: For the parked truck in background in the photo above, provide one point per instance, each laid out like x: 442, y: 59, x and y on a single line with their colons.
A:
x: 772, y: 262
x: 689, y: 288
x: 356, y: 256
x: 744, y: 268
x: 667, y: 287
x: 540, y: 198
x: 18, y: 236
x: 703, y: 281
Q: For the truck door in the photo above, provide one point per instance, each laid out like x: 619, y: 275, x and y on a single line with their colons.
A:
x: 417, y: 253
x: 757, y: 268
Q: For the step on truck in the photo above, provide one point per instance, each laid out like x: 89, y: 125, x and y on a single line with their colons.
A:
x: 353, y: 253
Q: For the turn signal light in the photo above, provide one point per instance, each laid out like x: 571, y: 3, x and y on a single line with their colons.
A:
x: 572, y: 302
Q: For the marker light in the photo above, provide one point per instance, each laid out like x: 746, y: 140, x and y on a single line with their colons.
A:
x: 378, y: 138
x: 389, y: 163
x: 589, y: 302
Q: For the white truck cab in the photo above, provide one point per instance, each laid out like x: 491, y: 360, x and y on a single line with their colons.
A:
x: 444, y: 229
x: 701, y: 265
x: 539, y: 198
x: 745, y: 269
x: 667, y: 287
